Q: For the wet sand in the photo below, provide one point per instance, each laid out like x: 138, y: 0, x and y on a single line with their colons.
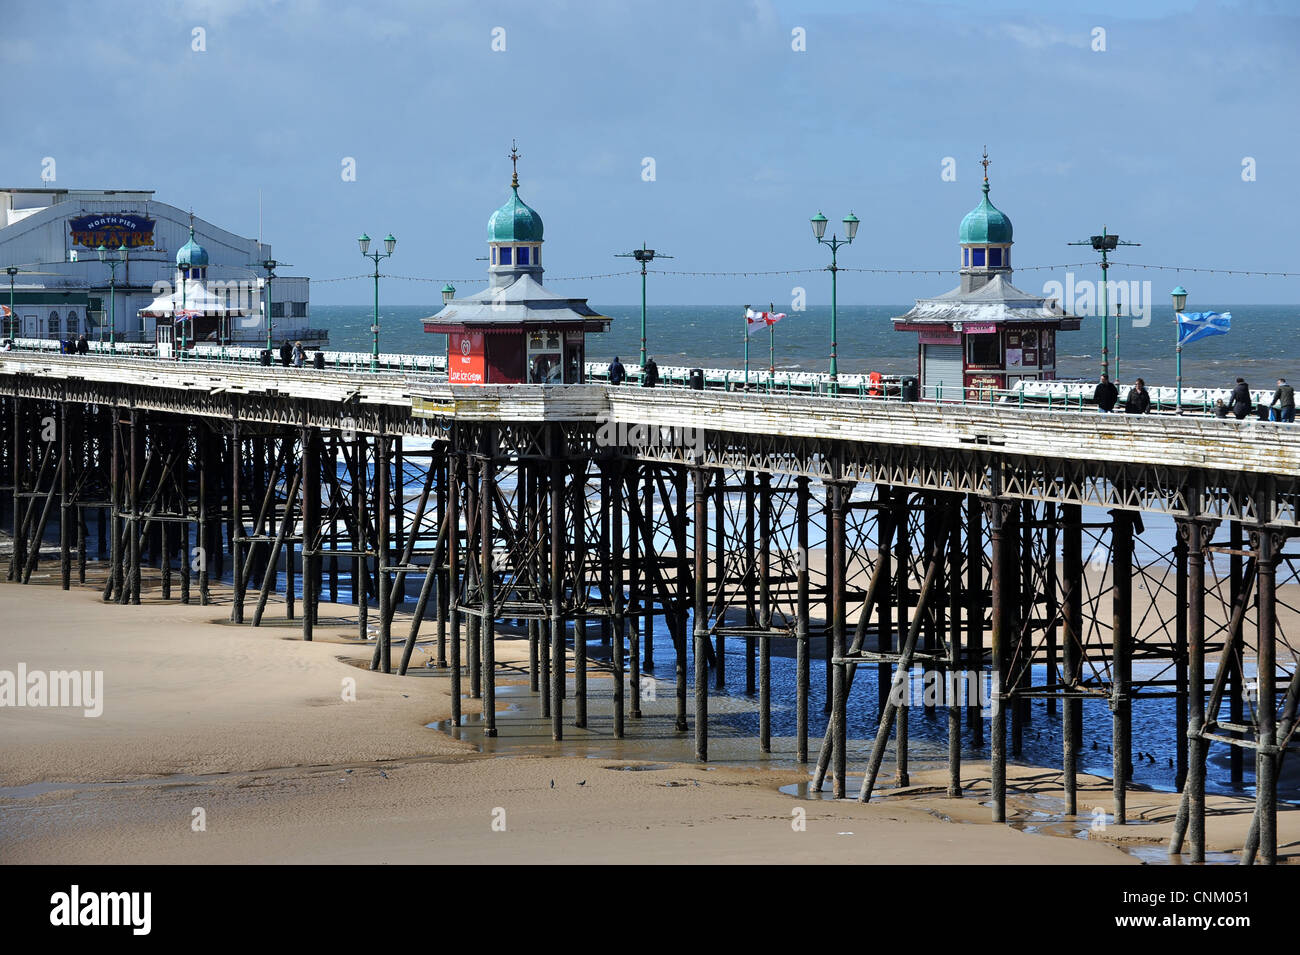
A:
x: 250, y: 726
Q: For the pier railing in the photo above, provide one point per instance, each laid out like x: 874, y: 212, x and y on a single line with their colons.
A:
x: 1062, y: 395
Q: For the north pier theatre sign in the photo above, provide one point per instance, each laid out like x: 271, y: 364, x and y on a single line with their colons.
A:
x: 112, y: 231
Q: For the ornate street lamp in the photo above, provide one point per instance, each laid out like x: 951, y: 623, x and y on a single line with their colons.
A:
x: 448, y: 293
x: 112, y: 261
x: 819, y: 231
x: 389, y: 244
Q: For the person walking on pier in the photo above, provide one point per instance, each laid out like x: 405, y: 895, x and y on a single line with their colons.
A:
x: 650, y: 374
x: 1284, y: 398
x: 286, y: 353
x: 299, y: 356
x: 1138, y: 400
x: 617, y: 373
x: 83, y: 344
x: 1241, y: 403
x: 1106, y: 394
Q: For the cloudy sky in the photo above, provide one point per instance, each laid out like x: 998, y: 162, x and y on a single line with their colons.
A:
x: 746, y: 135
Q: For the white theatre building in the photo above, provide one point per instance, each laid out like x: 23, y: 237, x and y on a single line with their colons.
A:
x: 52, y: 237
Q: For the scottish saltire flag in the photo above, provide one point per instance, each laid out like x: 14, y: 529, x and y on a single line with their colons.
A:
x: 755, y: 322
x: 1194, y: 325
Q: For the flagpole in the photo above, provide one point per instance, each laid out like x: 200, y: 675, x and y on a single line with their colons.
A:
x: 1178, y: 374
x: 771, y: 347
x: 746, y: 347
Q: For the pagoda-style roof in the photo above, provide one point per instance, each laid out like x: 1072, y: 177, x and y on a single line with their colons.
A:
x: 523, y: 302
x: 997, y: 302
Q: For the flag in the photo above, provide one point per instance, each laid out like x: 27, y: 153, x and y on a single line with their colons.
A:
x: 1194, y: 325
x: 4, y: 311
x: 757, y: 321
x: 185, y: 314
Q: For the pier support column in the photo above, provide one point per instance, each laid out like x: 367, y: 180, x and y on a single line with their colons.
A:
x: 749, y: 586
x: 1190, y: 821
x: 996, y: 511
x: 975, y: 611
x: 454, y: 573
x: 17, y: 454
x: 441, y: 584
x: 361, y: 543
x: 684, y: 595
x: 614, y: 484
x: 310, y: 528
x: 487, y: 538
x: 1072, y: 650
x: 236, y: 522
x: 133, y: 502
x: 473, y: 562
x: 837, y: 493
x: 1266, y: 543
x: 952, y: 504
x: 203, y: 532
x: 1180, y: 656
x: 701, y: 621
x: 113, y: 589
x: 65, y: 510
x: 578, y: 487
x: 902, y: 605
x: 765, y: 612
x: 801, y: 636
x: 1122, y: 659
x: 383, y: 559
x: 557, y: 466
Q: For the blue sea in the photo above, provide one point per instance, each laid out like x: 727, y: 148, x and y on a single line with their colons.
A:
x: 1262, y: 346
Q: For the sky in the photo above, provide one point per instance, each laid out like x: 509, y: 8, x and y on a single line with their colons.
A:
x: 711, y: 131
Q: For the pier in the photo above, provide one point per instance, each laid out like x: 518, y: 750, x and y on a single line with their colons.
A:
x: 950, y: 537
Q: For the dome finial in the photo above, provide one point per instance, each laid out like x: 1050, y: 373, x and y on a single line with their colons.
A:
x: 191, y: 222
x: 514, y: 158
x: 985, y: 163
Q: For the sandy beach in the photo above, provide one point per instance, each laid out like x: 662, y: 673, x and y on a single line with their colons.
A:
x: 247, y: 732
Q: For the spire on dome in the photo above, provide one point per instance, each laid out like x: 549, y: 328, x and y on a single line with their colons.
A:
x: 514, y: 158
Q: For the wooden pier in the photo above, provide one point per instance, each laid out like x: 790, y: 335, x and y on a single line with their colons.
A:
x: 943, y: 537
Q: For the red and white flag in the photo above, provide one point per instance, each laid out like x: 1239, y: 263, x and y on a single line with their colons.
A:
x: 757, y: 321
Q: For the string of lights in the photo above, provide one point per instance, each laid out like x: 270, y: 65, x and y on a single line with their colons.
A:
x: 774, y: 272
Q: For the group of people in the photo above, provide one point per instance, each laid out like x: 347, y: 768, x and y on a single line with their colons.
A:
x: 292, y: 354
x: 649, y: 373
x: 1137, y: 401
x: 1239, y: 403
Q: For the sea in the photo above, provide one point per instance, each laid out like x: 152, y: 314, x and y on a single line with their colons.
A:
x: 1262, y: 346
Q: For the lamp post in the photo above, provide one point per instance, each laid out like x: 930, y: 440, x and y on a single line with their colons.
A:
x: 1105, y: 244
x: 1179, y: 295
x: 113, y: 262
x: 819, y: 230
x: 448, y: 293
x: 645, y: 256
x: 389, y: 244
